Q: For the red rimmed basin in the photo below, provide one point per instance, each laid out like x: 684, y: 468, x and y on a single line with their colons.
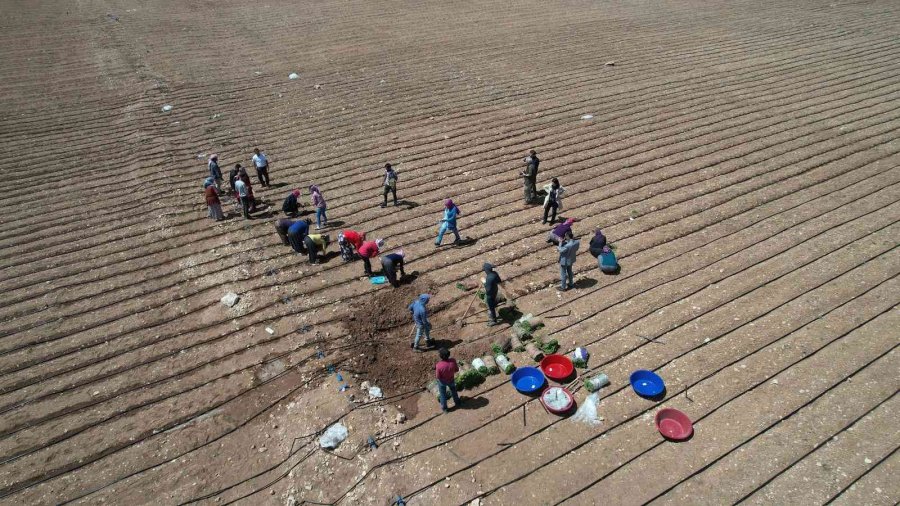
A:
x: 557, y: 367
x: 674, y: 424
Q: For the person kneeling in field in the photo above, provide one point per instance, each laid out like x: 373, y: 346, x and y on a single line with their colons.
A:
x: 390, y: 264
x: 445, y: 371
x: 291, y: 206
x: 560, y: 232
x: 315, y: 244
x: 608, y: 262
x: 420, y: 317
x: 296, y: 233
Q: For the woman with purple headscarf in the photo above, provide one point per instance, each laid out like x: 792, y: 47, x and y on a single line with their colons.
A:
x: 318, y: 202
x: 451, y: 212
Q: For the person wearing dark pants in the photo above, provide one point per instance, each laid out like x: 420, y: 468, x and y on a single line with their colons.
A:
x: 246, y: 198
x: 390, y: 184
x: 296, y: 233
x: 492, y: 285
x: 291, y: 206
x: 367, y: 252
x: 530, y: 176
x: 568, y: 248
x: 282, y: 226
x: 315, y: 244
x: 607, y: 261
x: 262, y: 167
x: 445, y: 371
x: 390, y: 264
x: 551, y: 201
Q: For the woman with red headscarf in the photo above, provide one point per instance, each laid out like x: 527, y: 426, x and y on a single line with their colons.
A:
x: 451, y: 212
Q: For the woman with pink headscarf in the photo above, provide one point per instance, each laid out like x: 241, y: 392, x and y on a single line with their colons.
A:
x: 451, y: 212
x: 291, y: 205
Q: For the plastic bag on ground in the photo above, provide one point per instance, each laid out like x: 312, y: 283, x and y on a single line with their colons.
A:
x: 587, y: 412
x: 333, y: 436
x: 375, y: 392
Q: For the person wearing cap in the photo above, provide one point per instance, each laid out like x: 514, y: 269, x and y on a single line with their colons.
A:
x: 389, y: 183
x: 214, y: 171
x: 350, y: 241
x: 315, y: 244
x: 568, y: 249
x: 390, y: 264
x: 367, y: 252
x: 291, y: 206
x: 262, y: 167
x: 448, y: 222
x: 560, y: 232
x: 445, y: 372
x: 213, y: 203
x: 296, y: 233
x: 282, y: 226
x: 492, y: 285
x: 420, y: 318
x: 318, y: 201
x: 530, y: 176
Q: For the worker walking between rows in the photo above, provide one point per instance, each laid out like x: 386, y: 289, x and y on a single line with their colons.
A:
x: 389, y: 183
x: 530, y: 176
x: 553, y: 200
x: 420, y: 318
x: 445, y: 371
x: 448, y: 222
x: 568, y: 249
x: 492, y: 285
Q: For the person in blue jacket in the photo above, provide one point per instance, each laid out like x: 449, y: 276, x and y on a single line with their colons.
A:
x: 451, y: 212
x: 420, y: 317
x: 296, y: 233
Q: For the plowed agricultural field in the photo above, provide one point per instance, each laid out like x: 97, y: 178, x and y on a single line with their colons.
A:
x: 742, y: 157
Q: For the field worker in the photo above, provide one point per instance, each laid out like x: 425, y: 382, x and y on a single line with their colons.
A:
x: 243, y: 176
x: 553, y: 200
x: 214, y: 171
x: 597, y: 243
x: 567, y: 251
x: 233, y: 176
x: 390, y: 264
x: 389, y: 183
x: 296, y: 233
x: 530, y: 176
x: 213, y: 203
x: 315, y: 244
x: 282, y: 226
x: 318, y: 201
x: 367, y: 252
x: 560, y: 232
x: 420, y: 318
x: 607, y: 261
x: 451, y: 212
x: 445, y: 371
x: 290, y: 206
x: 244, y: 195
x: 209, y: 181
x: 492, y: 284
x: 262, y: 167
x: 350, y: 241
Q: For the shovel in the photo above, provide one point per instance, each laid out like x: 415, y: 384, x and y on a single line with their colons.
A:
x: 462, y: 321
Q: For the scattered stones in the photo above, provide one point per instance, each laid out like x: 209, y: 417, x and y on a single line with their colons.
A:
x: 610, y: 63
x: 400, y: 418
x: 230, y: 299
x: 588, y: 116
x: 166, y: 108
x: 293, y: 75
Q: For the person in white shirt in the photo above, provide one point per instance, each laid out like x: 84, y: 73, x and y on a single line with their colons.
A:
x: 262, y: 167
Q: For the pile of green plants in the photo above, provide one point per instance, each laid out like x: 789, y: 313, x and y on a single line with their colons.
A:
x: 581, y: 364
x: 468, y: 379
x: 550, y: 347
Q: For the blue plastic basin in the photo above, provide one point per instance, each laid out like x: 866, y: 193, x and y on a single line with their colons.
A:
x: 647, y: 383
x: 528, y: 379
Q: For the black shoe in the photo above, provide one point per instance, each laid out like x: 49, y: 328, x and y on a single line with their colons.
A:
x: 429, y: 342
x: 383, y: 206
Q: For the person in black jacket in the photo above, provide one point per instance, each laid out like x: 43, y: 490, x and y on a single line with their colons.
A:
x: 290, y: 206
x: 597, y: 243
x: 530, y: 175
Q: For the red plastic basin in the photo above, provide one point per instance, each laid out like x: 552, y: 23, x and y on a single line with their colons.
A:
x: 557, y: 367
x: 674, y: 424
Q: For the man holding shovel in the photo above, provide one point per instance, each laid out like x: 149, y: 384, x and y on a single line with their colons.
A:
x: 420, y: 317
x: 492, y: 284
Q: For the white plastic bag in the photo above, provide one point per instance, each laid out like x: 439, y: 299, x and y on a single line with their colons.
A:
x: 587, y: 412
x: 333, y: 436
